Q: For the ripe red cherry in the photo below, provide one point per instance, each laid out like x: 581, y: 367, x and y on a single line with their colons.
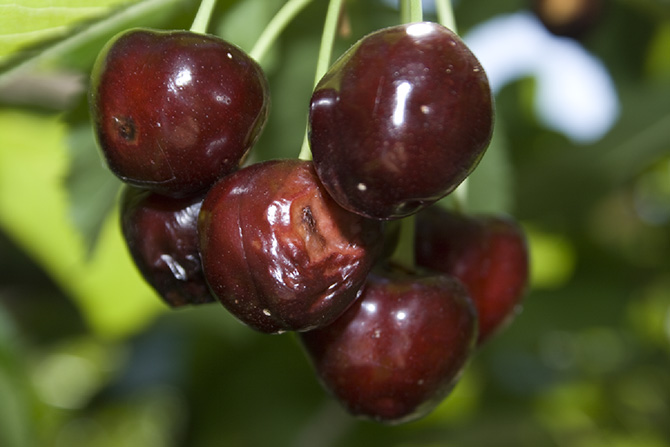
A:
x: 175, y: 111
x: 278, y: 252
x: 161, y: 235
x: 400, y: 120
x: 399, y: 350
x: 488, y: 253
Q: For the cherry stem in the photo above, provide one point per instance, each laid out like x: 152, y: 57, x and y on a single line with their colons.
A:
x: 324, y: 58
x: 403, y: 254
x: 411, y: 11
x: 202, y: 17
x: 460, y: 196
x: 445, y: 14
x: 273, y: 29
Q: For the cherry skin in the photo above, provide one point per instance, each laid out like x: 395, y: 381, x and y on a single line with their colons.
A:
x: 488, y: 253
x: 400, y: 349
x: 161, y: 236
x: 400, y: 120
x: 278, y: 252
x: 175, y: 111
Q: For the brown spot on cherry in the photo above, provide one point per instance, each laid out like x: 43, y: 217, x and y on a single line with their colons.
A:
x: 125, y: 127
x: 278, y: 252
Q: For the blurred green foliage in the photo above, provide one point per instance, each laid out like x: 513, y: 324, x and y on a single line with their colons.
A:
x: 90, y: 357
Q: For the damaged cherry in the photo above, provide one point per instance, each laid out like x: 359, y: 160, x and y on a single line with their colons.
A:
x: 278, y: 252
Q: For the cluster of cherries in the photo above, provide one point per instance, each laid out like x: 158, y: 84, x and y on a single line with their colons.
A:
x: 396, y: 124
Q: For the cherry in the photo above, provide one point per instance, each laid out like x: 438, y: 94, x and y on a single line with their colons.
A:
x: 161, y: 235
x: 400, y: 120
x: 174, y: 111
x: 488, y: 253
x: 278, y: 252
x: 399, y: 350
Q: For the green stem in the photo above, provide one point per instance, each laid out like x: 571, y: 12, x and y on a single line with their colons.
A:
x: 460, y: 196
x: 202, y: 17
x: 324, y: 58
x: 273, y: 29
x: 403, y: 255
x: 445, y: 14
x: 411, y: 11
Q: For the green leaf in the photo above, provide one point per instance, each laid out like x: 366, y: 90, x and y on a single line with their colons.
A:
x: 16, y: 428
x: 34, y: 211
x: 78, y: 48
x: 91, y: 187
x: 28, y: 22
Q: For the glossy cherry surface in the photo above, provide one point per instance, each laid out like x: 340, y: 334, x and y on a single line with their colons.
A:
x: 174, y: 111
x: 400, y: 120
x: 161, y: 235
x: 399, y: 350
x: 278, y: 252
x: 488, y: 253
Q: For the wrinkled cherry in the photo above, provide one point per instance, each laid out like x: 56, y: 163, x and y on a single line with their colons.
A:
x: 278, y: 252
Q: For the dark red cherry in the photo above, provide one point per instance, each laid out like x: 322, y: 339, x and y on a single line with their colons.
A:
x: 161, y: 235
x: 278, y: 252
x: 175, y: 111
x: 400, y: 120
x: 398, y: 351
x: 488, y: 253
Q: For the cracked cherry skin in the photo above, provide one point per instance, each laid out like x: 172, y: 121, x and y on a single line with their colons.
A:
x: 161, y: 235
x: 488, y: 253
x: 397, y: 352
x: 278, y: 252
x: 400, y: 120
x: 173, y: 111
